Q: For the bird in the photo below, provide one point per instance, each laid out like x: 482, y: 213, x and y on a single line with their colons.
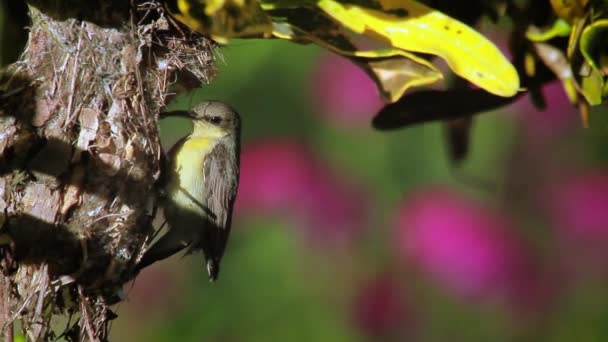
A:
x: 201, y: 178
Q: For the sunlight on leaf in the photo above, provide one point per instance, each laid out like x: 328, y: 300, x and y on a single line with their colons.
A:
x: 393, y: 70
x: 413, y: 27
x: 222, y: 19
x: 404, y: 28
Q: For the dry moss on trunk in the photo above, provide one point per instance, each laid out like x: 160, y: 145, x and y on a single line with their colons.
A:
x: 80, y: 154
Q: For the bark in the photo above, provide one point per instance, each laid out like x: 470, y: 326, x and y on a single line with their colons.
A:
x: 80, y: 154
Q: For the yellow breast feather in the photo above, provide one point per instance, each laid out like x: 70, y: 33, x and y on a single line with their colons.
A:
x: 189, y: 179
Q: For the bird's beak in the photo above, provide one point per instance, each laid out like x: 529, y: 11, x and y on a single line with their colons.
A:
x: 178, y: 113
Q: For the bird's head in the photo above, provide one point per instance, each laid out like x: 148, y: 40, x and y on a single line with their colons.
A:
x: 211, y: 119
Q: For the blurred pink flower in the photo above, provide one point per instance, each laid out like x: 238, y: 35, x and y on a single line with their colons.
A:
x: 461, y: 244
x: 154, y: 293
x: 343, y: 92
x: 578, y: 207
x: 559, y: 114
x: 283, y: 177
x: 379, y: 309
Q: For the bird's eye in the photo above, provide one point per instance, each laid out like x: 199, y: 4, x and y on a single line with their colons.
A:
x: 214, y: 120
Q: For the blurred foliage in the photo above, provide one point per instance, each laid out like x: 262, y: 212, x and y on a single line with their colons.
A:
x: 577, y: 62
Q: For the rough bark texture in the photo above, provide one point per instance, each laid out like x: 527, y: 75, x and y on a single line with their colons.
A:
x: 80, y: 154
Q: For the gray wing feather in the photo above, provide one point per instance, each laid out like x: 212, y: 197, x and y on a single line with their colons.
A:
x: 221, y: 172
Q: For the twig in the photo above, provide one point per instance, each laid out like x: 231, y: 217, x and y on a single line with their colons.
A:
x: 40, y: 324
x: 5, y: 301
x: 85, y: 318
x: 74, y: 77
x: 27, y: 299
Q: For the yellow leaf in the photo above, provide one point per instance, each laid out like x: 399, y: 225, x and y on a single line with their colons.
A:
x: 411, y: 26
x: 394, y: 71
x: 569, y: 10
x: 222, y: 19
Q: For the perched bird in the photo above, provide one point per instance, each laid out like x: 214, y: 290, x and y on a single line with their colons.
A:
x: 200, y: 186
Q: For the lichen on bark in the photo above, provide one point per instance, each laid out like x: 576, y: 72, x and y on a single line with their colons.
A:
x: 80, y: 155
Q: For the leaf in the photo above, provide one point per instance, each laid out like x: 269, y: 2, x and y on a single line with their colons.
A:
x: 592, y: 87
x: 569, y: 10
x: 413, y: 27
x: 222, y: 19
x: 560, y: 28
x: 394, y: 73
x: 393, y: 70
x: 555, y: 60
x: 577, y: 29
x: 433, y: 105
x: 594, y: 44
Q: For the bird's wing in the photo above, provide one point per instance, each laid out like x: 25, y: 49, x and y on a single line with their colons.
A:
x: 221, y: 172
x: 221, y: 183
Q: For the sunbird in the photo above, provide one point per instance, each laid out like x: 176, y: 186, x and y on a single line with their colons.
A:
x: 200, y: 186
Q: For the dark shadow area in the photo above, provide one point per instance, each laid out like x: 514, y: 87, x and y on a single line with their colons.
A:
x: 14, y: 32
x: 41, y: 240
x: 434, y: 105
x: 105, y: 13
x: 212, y: 242
x: 16, y: 93
x: 458, y: 136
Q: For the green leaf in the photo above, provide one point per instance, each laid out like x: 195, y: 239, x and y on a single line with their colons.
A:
x: 592, y: 87
x: 594, y: 44
x: 560, y: 28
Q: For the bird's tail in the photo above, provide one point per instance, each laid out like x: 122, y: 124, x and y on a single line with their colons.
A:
x: 165, y: 247
x: 213, y: 269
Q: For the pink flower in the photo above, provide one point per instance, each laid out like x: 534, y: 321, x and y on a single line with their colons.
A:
x: 461, y: 244
x: 344, y: 92
x: 283, y: 177
x: 155, y: 292
x: 379, y: 309
x: 579, y: 207
x: 558, y: 116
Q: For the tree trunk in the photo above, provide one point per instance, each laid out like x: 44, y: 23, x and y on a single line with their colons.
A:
x: 80, y: 154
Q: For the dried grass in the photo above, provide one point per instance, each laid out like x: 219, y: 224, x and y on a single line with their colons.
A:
x: 81, y: 114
